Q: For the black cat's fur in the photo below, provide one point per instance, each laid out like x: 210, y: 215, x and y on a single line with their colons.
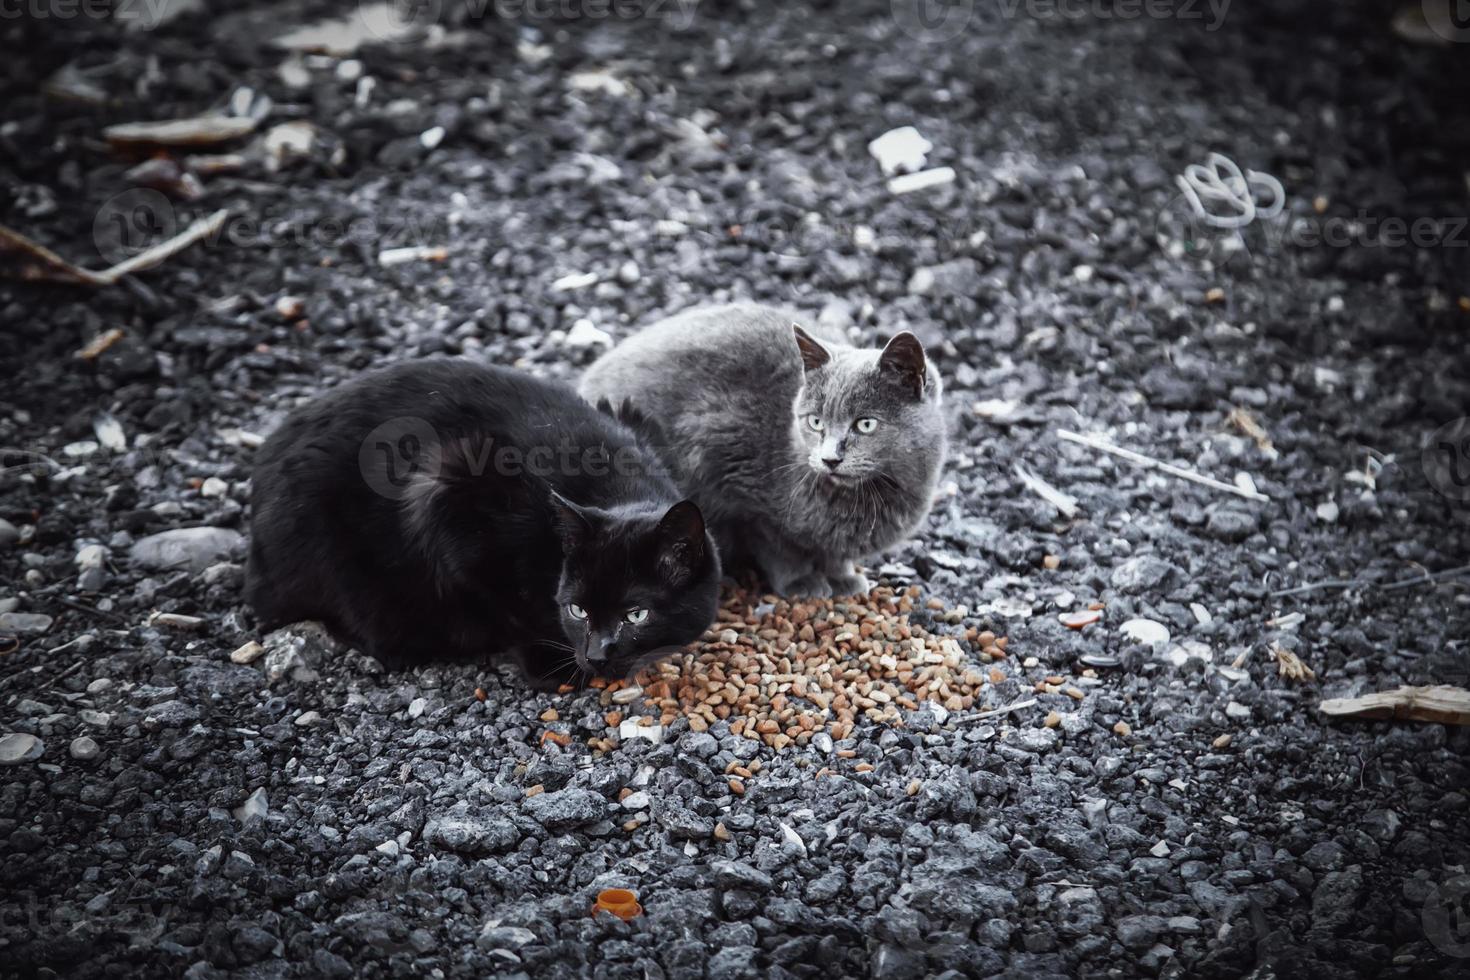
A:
x: 447, y: 510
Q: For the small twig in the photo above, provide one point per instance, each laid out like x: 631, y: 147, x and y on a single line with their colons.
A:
x: 997, y: 711
x: 1355, y: 583
x: 1094, y: 442
x: 1065, y: 503
x: 67, y: 672
x: 83, y: 607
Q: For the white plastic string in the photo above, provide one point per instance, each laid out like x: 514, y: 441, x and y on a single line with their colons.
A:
x: 1220, y: 182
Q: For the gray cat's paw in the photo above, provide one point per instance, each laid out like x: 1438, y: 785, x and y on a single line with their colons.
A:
x: 812, y: 586
x: 850, y: 583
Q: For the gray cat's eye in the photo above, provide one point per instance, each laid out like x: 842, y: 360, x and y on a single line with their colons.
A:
x: 577, y: 611
x: 866, y: 425
x: 815, y: 422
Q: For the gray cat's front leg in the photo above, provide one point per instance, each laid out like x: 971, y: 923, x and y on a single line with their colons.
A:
x: 845, y: 579
x: 795, y: 579
x: 812, y: 586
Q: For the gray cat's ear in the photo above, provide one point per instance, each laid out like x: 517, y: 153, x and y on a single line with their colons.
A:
x: 570, y: 522
x: 813, y: 354
x: 681, y: 542
x: 903, y: 359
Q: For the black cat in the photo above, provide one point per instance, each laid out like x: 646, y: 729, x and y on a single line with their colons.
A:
x: 447, y: 510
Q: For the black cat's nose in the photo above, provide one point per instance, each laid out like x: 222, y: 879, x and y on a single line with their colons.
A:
x: 832, y: 462
x: 602, y: 650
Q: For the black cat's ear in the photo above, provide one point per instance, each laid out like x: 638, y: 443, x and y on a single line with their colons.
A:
x: 903, y: 359
x: 571, y: 523
x: 813, y: 354
x: 681, y: 542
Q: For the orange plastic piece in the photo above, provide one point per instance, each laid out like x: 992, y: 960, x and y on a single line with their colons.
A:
x: 619, y: 902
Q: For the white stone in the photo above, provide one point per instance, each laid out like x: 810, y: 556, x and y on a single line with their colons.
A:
x: 19, y: 747
x: 388, y: 847
x: 585, y: 333
x: 1146, y: 631
x: 575, y: 280
x: 1181, y: 653
x: 214, y: 487
x: 1201, y: 614
x: 1237, y: 710
x: 416, y: 707
x: 91, y: 556
x: 247, y: 654
x: 80, y: 449
x: 109, y: 432
x: 1328, y: 511
x: 84, y: 748
x: 637, y: 801
x: 308, y: 718
x: 255, y: 805
x: 431, y: 138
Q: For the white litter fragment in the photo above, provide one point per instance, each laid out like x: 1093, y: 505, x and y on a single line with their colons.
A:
x: 631, y: 729
x: 1145, y: 631
x: 923, y: 180
x: 110, y: 433
x: 1328, y: 511
x: 585, y: 333
x: 1010, y: 608
x: 900, y: 150
x: 575, y: 280
x: 370, y: 23
x: 1245, y: 483
x: 995, y: 408
x: 597, y: 81
x: 1288, y: 622
x: 1201, y: 614
x: 793, y: 840
x: 414, y: 253
x: 430, y: 138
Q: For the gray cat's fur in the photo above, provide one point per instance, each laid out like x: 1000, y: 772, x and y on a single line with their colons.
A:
x: 729, y: 389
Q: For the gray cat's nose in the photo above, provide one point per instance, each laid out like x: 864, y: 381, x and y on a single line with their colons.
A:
x: 832, y: 462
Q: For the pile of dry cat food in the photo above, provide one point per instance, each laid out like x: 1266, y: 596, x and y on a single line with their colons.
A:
x: 785, y: 672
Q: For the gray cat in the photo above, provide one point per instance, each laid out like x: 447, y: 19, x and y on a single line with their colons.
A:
x: 803, y: 454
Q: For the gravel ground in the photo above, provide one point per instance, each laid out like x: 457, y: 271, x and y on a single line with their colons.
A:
x: 164, y: 810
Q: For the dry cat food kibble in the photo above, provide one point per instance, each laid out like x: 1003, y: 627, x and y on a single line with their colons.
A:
x: 783, y: 671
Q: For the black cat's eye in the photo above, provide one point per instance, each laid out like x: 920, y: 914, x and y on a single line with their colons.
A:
x: 636, y: 616
x: 577, y: 611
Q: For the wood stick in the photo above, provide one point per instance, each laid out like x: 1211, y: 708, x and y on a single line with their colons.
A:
x: 1095, y: 442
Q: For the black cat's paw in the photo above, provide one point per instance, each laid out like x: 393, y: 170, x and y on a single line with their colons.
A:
x: 546, y: 677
